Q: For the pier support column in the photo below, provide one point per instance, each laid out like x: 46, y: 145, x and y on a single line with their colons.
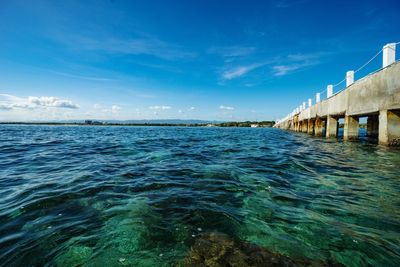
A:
x: 331, y: 127
x: 318, y: 127
x: 350, y: 128
x: 305, y: 126
x: 310, y: 128
x: 389, y: 127
x: 373, y: 126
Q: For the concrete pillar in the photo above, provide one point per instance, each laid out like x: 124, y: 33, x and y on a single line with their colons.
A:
x: 373, y: 126
x: 349, y: 78
x: 305, y: 126
x: 309, y: 102
x: 318, y: 127
x: 350, y: 128
x: 389, y: 54
x: 310, y: 128
x: 317, y: 98
x: 331, y: 127
x: 329, y: 91
x: 389, y: 127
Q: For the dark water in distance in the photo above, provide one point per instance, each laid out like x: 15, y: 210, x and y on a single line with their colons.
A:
x: 140, y: 196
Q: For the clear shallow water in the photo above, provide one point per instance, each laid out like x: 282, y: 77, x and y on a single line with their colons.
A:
x: 141, y: 196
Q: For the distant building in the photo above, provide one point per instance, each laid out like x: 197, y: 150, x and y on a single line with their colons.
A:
x: 90, y: 122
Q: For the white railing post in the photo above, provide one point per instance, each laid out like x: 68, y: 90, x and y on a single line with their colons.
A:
x: 349, y: 78
x: 318, y: 97
x: 309, y: 102
x: 304, y: 105
x: 329, y: 91
x: 389, y: 54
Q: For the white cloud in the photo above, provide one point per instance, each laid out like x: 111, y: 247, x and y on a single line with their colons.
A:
x: 296, y: 62
x: 280, y: 65
x: 5, y: 107
x: 232, y: 51
x: 240, y: 71
x: 191, y: 108
x: 51, y: 101
x: 90, y: 78
x: 180, y: 111
x: 115, y: 109
x: 222, y: 107
x: 8, y: 102
x: 143, y: 45
x: 281, y: 70
x: 159, y: 107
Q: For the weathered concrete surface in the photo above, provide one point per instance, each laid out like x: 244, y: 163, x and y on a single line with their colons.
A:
x: 304, y: 126
x: 318, y: 127
x: 310, y: 128
x: 379, y: 91
x: 373, y: 126
x: 350, y: 128
x: 331, y: 126
x: 389, y: 128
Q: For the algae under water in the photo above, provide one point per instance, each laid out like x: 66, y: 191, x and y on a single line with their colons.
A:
x: 154, y: 196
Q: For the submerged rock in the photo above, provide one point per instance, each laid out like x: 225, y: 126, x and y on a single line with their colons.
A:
x: 75, y: 256
x: 217, y: 250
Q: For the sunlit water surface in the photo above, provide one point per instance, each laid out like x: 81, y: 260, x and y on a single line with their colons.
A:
x: 140, y: 196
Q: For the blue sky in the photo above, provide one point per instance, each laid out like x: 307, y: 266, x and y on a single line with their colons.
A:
x: 212, y: 60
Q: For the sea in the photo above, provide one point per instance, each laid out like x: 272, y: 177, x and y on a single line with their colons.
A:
x: 195, y: 196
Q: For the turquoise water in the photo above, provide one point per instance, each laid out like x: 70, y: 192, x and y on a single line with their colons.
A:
x: 142, y: 196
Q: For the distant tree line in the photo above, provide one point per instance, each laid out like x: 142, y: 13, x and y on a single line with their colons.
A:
x: 246, y: 124
x: 100, y: 123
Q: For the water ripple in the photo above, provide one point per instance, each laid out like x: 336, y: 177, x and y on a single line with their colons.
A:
x: 140, y: 196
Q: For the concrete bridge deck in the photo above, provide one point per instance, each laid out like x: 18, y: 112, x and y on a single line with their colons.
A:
x: 376, y: 96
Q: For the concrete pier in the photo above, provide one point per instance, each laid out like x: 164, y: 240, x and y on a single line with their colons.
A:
x: 318, y: 127
x: 310, y: 128
x: 350, y: 128
x: 389, y: 127
x: 304, y: 126
x: 376, y: 96
x: 373, y: 126
x: 331, y: 127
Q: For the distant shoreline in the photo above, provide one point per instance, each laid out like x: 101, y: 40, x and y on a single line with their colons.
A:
x: 263, y: 124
